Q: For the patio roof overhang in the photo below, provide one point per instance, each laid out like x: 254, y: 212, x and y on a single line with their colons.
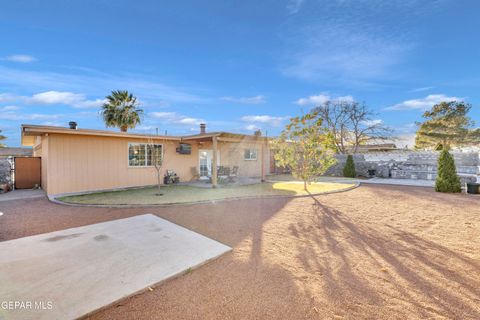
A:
x: 29, y: 132
x: 225, y: 137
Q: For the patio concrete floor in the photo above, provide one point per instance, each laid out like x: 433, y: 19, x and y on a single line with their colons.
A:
x: 240, y: 181
x: 67, y: 274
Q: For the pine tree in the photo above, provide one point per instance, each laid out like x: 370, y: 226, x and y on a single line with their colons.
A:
x: 349, y: 169
x: 446, y: 125
x: 447, y: 179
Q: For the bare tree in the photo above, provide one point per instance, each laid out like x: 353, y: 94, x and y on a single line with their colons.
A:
x: 155, y: 158
x: 352, y: 124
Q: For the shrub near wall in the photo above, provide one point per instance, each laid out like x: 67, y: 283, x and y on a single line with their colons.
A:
x: 349, y: 169
x: 447, y: 179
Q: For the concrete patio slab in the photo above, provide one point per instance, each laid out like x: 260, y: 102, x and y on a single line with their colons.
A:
x: 67, y: 274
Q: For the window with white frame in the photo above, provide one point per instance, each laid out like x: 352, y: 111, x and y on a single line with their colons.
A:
x: 144, y: 154
x: 250, y: 154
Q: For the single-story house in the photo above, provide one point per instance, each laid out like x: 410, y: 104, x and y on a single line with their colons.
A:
x: 83, y: 160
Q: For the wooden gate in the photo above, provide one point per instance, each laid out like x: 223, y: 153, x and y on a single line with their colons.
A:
x: 27, y: 172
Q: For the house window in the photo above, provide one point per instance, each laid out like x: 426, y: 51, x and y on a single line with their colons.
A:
x: 154, y: 154
x: 144, y: 155
x: 250, y: 154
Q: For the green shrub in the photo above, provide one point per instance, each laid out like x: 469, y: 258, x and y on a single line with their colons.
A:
x: 447, y: 179
x: 349, y: 169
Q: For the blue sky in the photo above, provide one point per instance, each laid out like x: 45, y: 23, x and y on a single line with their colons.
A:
x: 237, y: 65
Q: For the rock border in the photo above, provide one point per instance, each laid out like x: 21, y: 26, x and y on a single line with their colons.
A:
x: 56, y: 201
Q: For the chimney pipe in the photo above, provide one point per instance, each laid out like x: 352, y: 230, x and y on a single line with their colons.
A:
x: 203, y: 128
x: 72, y: 125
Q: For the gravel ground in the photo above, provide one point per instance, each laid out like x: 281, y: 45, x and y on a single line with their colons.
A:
x: 383, y: 252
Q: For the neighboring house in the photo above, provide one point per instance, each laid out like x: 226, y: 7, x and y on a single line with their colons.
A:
x: 376, y: 147
x: 6, y: 152
x: 81, y: 160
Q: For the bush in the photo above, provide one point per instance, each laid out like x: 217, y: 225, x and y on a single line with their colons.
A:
x: 349, y: 169
x: 447, y: 179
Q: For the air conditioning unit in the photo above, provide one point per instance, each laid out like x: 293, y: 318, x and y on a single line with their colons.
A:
x: 184, y: 148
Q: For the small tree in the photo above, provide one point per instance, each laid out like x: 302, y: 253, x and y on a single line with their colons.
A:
x: 155, y: 158
x: 303, y: 146
x: 349, y: 169
x: 447, y: 179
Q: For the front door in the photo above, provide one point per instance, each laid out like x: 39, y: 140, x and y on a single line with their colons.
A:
x: 205, y: 163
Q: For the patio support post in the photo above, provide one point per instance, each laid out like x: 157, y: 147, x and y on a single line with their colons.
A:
x: 214, y: 162
x: 262, y: 157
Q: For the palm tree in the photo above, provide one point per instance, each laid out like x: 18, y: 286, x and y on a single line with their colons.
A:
x: 2, y: 138
x: 121, y: 110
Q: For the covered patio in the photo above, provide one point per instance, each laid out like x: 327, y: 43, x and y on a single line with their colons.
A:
x: 230, y: 168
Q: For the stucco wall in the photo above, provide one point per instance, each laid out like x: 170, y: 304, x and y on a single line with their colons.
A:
x: 232, y: 154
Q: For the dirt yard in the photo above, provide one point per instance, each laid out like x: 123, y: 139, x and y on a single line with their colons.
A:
x: 373, y: 252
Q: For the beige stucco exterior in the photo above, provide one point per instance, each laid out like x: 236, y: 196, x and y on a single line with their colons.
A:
x: 74, y: 163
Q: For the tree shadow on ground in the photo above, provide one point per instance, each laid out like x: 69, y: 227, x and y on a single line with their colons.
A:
x: 364, y: 266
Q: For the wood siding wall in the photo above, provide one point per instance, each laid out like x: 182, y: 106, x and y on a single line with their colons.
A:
x: 81, y: 163
x: 75, y: 163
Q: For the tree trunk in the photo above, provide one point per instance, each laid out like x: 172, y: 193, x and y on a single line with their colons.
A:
x: 305, y: 185
x: 159, y: 183
x: 123, y: 128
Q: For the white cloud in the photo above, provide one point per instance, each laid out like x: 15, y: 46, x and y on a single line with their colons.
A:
x: 22, y: 58
x: 339, y: 53
x: 56, y: 97
x: 163, y: 115
x: 293, y: 6
x: 252, y: 127
x: 372, y: 122
x: 175, y: 118
x: 15, y: 116
x: 245, y: 100
x: 270, y: 120
x: 9, y: 108
x: 7, y: 97
x: 403, y: 140
x: 423, y: 103
x: 77, y: 100
x: 190, y: 121
x: 145, y: 128
x: 321, y: 99
x: 422, y: 89
x: 96, y: 83
x: 52, y: 123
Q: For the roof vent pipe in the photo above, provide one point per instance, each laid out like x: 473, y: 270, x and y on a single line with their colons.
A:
x: 72, y: 125
x: 203, y: 128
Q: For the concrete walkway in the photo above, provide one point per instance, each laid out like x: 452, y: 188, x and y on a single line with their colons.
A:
x: 67, y: 274
x: 22, y: 194
x: 389, y: 181
x: 400, y: 182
